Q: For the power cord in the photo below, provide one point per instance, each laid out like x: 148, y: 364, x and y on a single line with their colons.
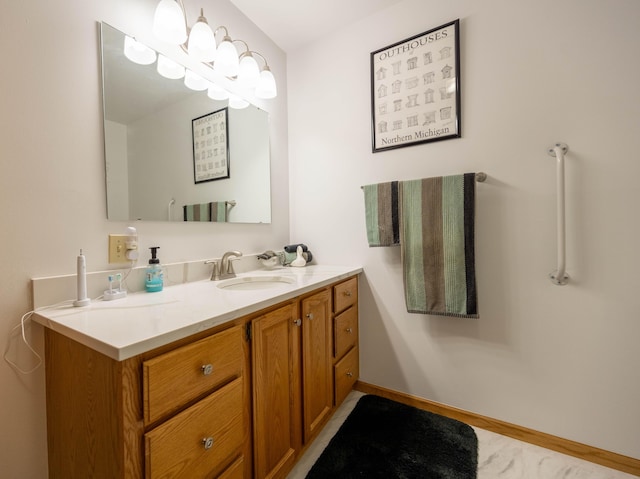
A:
x: 21, y: 325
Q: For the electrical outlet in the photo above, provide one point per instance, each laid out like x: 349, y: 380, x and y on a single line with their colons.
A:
x: 118, y: 249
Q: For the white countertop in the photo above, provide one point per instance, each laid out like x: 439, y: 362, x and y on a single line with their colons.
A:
x: 140, y: 322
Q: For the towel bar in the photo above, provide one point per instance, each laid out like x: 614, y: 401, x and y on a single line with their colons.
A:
x: 480, y: 178
x: 170, y: 209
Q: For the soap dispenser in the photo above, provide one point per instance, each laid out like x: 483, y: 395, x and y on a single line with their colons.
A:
x: 154, y: 277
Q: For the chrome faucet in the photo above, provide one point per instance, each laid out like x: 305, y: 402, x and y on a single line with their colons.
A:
x: 226, y: 264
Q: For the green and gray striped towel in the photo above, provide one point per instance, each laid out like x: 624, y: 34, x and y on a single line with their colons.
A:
x: 215, y: 211
x: 381, y: 214
x: 219, y: 211
x: 437, y: 221
x: 197, y: 212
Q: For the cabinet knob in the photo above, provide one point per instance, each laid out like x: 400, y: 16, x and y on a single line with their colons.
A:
x: 207, y: 369
x: 347, y: 293
x: 349, y: 330
x: 207, y: 443
x: 297, y: 322
x: 349, y: 374
x: 309, y: 315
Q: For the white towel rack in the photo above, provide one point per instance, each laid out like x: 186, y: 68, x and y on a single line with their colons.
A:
x: 172, y: 202
x: 559, y: 276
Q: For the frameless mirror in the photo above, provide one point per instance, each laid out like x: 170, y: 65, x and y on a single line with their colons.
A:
x: 155, y: 167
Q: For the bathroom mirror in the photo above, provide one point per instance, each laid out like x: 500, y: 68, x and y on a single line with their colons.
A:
x: 149, y: 146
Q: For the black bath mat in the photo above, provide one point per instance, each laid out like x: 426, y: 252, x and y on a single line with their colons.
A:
x: 388, y: 440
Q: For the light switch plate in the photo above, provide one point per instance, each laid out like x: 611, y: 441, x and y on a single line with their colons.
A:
x: 117, y: 249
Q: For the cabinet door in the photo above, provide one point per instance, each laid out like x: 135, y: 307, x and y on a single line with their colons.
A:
x: 317, y: 391
x: 276, y: 358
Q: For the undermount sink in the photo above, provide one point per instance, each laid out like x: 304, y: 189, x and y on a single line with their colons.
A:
x: 247, y: 283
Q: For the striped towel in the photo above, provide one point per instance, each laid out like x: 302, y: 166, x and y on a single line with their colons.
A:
x: 218, y: 211
x: 437, y: 218
x: 198, y: 212
x: 381, y: 214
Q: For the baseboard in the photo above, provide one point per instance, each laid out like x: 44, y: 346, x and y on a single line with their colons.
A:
x: 565, y: 446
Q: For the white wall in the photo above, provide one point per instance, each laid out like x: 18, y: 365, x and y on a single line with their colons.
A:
x: 116, y: 169
x: 52, y: 182
x: 562, y: 360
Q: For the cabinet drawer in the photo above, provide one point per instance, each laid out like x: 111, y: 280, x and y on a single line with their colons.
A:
x: 345, y: 331
x: 177, y: 377
x: 345, y: 294
x: 195, y: 442
x: 234, y: 471
x: 346, y: 372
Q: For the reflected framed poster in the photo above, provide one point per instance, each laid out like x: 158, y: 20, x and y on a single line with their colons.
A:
x: 211, y: 146
x: 415, y: 89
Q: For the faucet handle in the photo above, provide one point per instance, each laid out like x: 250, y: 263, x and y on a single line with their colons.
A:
x: 230, y: 264
x: 215, y: 271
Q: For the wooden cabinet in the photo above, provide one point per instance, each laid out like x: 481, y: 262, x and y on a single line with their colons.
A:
x: 292, y: 381
x: 345, y: 336
x: 317, y: 376
x: 275, y: 353
x: 305, y: 362
x: 229, y: 403
x: 94, y: 428
x: 178, y: 411
x: 203, y: 439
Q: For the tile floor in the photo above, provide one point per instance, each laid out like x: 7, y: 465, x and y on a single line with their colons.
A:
x: 499, y: 457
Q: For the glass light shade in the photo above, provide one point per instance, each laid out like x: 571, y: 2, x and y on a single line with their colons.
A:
x: 266, y: 87
x: 248, y: 71
x: 227, y: 62
x: 194, y: 81
x: 216, y: 92
x: 169, y: 69
x: 138, y: 52
x: 202, y: 42
x: 236, y: 102
x: 169, y: 23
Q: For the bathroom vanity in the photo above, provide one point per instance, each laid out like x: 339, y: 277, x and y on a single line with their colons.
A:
x: 199, y: 381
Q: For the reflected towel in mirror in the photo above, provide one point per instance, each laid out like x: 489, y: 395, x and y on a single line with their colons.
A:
x: 218, y: 211
x: 197, y: 212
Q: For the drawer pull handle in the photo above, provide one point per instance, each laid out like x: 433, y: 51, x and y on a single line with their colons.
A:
x: 207, y: 442
x: 347, y: 293
x: 309, y: 315
x: 349, y: 374
x: 349, y: 330
x: 207, y: 369
x: 297, y: 322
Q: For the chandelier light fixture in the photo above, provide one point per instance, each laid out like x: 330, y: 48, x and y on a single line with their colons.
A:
x: 213, y: 48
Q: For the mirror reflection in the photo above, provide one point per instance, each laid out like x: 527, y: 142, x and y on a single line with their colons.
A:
x: 166, y: 147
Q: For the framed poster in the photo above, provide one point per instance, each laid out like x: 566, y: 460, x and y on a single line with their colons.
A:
x: 415, y: 89
x: 211, y: 146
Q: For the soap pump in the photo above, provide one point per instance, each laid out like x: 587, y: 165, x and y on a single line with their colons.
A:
x: 299, y: 261
x: 154, y: 277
